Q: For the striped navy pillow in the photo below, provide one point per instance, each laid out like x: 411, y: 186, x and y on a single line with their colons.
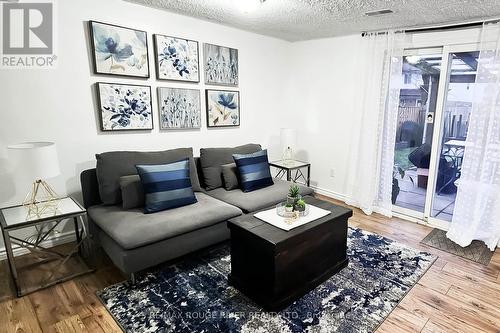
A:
x: 254, y: 170
x: 166, y: 186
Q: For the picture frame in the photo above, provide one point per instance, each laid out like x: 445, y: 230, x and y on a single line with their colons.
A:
x: 221, y: 67
x: 179, y: 108
x: 118, y: 50
x: 176, y: 59
x: 124, y: 107
x: 222, y: 108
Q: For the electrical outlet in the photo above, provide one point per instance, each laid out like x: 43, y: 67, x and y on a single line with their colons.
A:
x: 332, y: 173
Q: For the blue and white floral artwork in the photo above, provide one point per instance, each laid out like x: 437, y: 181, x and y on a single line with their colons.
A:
x: 119, y: 51
x: 176, y: 59
x: 221, y: 65
x: 179, y: 108
x: 223, y: 108
x: 125, y: 107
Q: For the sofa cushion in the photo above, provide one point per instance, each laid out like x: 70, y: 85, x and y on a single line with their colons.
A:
x: 212, y: 159
x: 132, y: 228
x: 166, y: 186
x: 262, y: 198
x: 230, y: 176
x: 112, y: 165
x: 132, y: 192
x: 253, y: 170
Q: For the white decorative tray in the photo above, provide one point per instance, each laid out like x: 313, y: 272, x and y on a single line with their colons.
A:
x: 287, y: 223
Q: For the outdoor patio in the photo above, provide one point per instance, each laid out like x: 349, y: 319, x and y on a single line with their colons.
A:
x: 413, y: 197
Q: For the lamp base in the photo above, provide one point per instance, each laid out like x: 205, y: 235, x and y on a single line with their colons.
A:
x: 41, y: 200
x: 288, y: 156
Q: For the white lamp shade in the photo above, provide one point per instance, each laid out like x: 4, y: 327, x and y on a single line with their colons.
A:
x: 36, y: 160
x: 288, y: 138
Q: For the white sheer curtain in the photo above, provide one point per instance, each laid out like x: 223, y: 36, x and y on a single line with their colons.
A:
x: 369, y: 182
x: 477, y: 207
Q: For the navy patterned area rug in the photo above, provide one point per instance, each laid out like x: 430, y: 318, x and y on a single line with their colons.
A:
x: 193, y: 295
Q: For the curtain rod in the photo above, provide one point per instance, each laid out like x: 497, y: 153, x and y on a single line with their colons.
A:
x: 440, y: 27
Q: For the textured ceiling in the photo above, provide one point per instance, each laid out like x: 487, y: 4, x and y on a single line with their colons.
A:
x: 295, y: 20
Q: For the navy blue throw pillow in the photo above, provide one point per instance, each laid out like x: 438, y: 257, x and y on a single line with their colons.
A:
x: 254, y: 170
x: 166, y: 186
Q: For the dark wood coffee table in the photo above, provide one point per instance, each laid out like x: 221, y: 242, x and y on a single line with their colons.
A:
x: 275, y: 267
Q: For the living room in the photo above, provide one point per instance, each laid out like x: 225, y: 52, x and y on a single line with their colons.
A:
x: 336, y: 166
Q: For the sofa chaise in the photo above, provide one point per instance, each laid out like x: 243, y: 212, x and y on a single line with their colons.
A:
x: 135, y: 241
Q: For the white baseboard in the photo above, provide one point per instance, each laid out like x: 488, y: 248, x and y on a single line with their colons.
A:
x: 54, y: 240
x: 329, y: 193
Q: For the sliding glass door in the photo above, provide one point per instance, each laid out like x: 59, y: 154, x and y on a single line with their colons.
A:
x: 451, y: 133
x: 435, y: 106
x: 415, y: 129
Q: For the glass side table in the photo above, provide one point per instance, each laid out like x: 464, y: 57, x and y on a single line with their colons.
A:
x: 287, y: 167
x: 44, y: 266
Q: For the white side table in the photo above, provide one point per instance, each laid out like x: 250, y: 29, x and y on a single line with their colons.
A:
x: 286, y: 167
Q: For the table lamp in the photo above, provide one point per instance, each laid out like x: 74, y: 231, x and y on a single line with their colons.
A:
x: 38, y: 161
x: 288, y: 143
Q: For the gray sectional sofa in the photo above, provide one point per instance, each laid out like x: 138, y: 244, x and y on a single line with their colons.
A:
x: 134, y: 240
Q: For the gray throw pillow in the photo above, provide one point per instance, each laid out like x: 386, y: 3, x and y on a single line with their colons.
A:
x: 112, y: 165
x: 132, y: 192
x: 230, y: 176
x: 212, y: 159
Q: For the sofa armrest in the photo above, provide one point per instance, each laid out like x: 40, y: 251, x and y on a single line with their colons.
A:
x: 90, y: 188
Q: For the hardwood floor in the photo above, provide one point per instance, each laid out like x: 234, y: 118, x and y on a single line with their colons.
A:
x: 455, y: 295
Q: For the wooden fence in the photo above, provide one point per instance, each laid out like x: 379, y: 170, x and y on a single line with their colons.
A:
x: 455, y: 122
x: 411, y: 113
x: 415, y: 114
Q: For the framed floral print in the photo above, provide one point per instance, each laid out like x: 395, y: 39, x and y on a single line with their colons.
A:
x: 179, y: 108
x: 221, y: 65
x: 124, y: 107
x: 223, y: 108
x: 119, y: 50
x: 176, y: 59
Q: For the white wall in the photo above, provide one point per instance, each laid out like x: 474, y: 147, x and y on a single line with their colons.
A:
x: 59, y: 105
x: 325, y: 84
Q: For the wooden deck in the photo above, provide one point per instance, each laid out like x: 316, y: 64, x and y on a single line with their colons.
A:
x: 455, y: 295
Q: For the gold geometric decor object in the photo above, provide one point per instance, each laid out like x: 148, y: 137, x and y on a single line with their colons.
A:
x: 37, y: 160
x: 41, y: 200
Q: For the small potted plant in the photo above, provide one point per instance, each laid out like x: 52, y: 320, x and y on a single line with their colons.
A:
x: 293, y: 195
x: 300, y: 205
x: 288, y: 207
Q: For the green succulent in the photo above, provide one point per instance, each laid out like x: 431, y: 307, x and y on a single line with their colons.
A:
x: 288, y: 205
x: 299, y: 206
x: 294, y: 190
